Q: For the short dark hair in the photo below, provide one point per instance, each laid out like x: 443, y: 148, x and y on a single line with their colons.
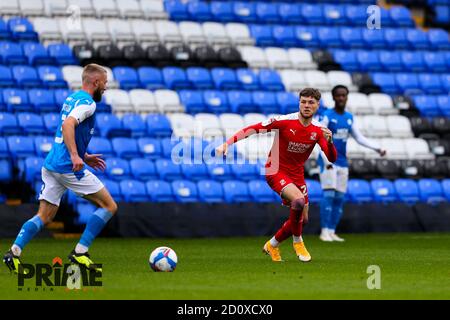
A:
x: 310, y: 92
x: 336, y: 88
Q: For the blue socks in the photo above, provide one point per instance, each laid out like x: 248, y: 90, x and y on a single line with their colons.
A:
x: 326, y: 208
x: 95, y: 224
x: 28, y: 231
x: 338, y: 207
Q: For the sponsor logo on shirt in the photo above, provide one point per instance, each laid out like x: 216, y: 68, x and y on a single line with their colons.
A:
x: 298, y: 147
x: 293, y: 131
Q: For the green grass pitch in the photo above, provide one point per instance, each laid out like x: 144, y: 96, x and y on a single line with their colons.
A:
x: 413, y: 266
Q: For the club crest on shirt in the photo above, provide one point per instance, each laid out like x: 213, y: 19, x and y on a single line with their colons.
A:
x: 298, y: 147
x: 313, y: 136
x: 282, y: 182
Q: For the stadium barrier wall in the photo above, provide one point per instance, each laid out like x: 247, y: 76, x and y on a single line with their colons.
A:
x: 246, y: 219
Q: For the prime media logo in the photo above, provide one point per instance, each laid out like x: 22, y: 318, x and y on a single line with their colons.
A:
x: 48, y: 277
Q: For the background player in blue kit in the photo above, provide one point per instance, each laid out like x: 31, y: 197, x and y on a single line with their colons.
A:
x: 64, y: 169
x: 334, y: 176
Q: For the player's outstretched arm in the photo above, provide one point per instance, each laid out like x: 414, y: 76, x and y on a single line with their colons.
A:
x: 68, y: 131
x: 327, y: 145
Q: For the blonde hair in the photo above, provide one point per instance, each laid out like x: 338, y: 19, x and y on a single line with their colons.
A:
x: 90, y: 70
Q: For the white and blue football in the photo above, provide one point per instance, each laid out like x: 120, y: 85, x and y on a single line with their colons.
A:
x: 163, y: 259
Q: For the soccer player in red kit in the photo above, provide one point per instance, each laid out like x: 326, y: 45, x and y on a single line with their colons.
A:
x: 295, y: 137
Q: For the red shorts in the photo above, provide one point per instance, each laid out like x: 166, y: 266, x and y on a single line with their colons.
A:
x: 280, y: 180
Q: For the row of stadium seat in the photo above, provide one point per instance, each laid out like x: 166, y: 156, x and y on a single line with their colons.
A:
x: 34, y: 53
x: 17, y: 29
x: 24, y: 76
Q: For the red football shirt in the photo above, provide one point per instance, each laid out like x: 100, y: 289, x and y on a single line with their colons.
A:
x: 292, y: 145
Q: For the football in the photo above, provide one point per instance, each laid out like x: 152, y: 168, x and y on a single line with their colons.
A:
x: 163, y: 259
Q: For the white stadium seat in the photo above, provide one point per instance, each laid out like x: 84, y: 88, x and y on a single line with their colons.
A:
x: 354, y: 150
x: 120, y: 30
x: 85, y: 7
x: 72, y: 74
x: 183, y: 124
x: 395, y: 148
x: 293, y: 80
x: 72, y: 30
x: 215, y: 33
x: 399, y: 126
x: 418, y: 149
x: 144, y: 31
x: 252, y: 118
x: 301, y: 58
x: 31, y: 7
x: 382, y: 104
x: 48, y: 29
x: 168, y: 101
x: 105, y: 8
x: 358, y: 103
x: 317, y: 79
x: 10, y: 7
x: 231, y: 123
x: 341, y: 78
x: 376, y: 126
x: 55, y: 8
x: 119, y: 100
x: 207, y: 126
x: 239, y: 33
x: 192, y: 32
x: 168, y: 31
x: 153, y: 9
x: 278, y: 58
x: 255, y: 57
x: 96, y: 30
x: 130, y: 9
x: 327, y: 99
x: 143, y: 101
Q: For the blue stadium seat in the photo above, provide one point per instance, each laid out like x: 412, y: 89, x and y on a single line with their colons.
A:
x: 263, y: 34
x: 390, y: 60
x: 133, y: 191
x: 12, y: 54
x: 359, y: 191
x: 52, y: 77
x: 430, y: 83
x: 427, y: 105
x: 185, y: 191
x: 32, y: 169
x: 150, y: 148
x: 408, y: 83
x: 284, y: 36
x: 114, y: 189
x: 109, y: 125
x: 31, y: 123
x: 245, y: 171
x: 312, y: 13
x: 2, y: 103
x: 167, y: 145
x: 417, y: 39
x: 329, y: 37
x: 290, y: 13
x: 413, y: 61
x: 37, y: 54
x: 383, y: 190
x: 167, y: 170
x: 245, y: 11
x: 192, y: 100
x: 200, y: 78
x: 266, y: 101
x: 222, y: 11
x: 334, y: 14
x: 307, y: 36
x: 117, y: 169
x: 199, y: 11
x: 219, y: 171
x: 127, y: 77
x: 151, y: 78
x: 443, y: 103
x: 62, y: 54
x: 159, y: 191
x: 270, y: 80
x: 210, y: 191
x: 51, y: 122
x: 401, y: 16
x: 351, y: 37
x: 194, y: 172
x: 143, y: 169
x: 8, y: 124
x: 126, y: 148
x: 158, y: 125
x: 5, y: 170
x: 368, y: 60
x: 6, y: 77
x: 261, y: 192
x: 347, y: 59
x: 17, y: 100
x: 374, y: 38
x: 407, y: 190
x: 22, y: 29
x: 446, y: 188
x: 26, y: 77
x: 241, y: 102
x: 20, y: 147
x: 287, y: 101
x: 42, y: 100
x: 236, y: 191
x: 248, y: 79
x: 224, y: 79
x: 386, y: 81
x: 396, y: 38
x: 445, y: 81
x: 135, y: 124
x: 267, y: 12
x: 175, y: 78
x: 4, y: 152
x: 356, y: 14
x: 43, y: 145
x: 177, y: 9
x: 85, y: 211
x: 438, y: 39
x: 99, y: 145
x: 435, y: 61
x: 60, y: 96
x: 430, y: 191
x: 5, y: 34
x: 216, y: 101
x: 314, y: 191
